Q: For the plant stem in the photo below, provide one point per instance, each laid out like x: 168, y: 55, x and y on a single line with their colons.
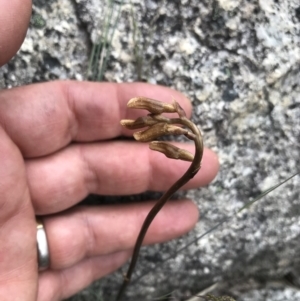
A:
x: 189, y: 174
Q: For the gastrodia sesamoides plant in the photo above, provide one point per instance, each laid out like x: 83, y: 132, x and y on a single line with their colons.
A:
x: 151, y: 127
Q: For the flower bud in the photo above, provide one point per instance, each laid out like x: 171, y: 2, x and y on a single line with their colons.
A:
x: 152, y: 105
x: 153, y: 132
x: 171, y: 151
x: 139, y: 123
x: 158, y: 130
x: 179, y: 109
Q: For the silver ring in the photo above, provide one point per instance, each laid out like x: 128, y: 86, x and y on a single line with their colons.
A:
x: 42, y: 246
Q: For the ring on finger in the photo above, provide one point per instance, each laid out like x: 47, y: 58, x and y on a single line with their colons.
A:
x: 42, y: 245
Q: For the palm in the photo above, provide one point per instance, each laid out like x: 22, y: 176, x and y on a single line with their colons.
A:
x: 18, y: 263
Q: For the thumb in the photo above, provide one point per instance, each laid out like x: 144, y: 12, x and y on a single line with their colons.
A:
x: 14, y: 20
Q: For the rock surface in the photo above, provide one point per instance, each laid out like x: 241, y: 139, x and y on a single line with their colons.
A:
x: 239, y: 62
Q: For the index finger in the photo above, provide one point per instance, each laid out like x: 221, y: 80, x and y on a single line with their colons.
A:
x: 44, y: 118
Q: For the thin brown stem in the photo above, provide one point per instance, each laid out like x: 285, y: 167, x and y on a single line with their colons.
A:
x: 190, y: 173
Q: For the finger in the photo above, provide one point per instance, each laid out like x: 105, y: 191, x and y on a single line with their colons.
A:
x: 14, y: 20
x: 61, y: 284
x: 86, y: 231
x: 43, y: 118
x: 59, y: 181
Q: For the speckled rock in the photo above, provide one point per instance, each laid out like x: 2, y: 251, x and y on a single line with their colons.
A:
x: 239, y: 62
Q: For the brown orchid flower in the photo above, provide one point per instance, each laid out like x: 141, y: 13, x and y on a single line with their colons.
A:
x: 158, y: 125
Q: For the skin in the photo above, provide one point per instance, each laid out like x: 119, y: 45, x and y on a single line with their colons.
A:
x: 14, y: 19
x: 55, y: 149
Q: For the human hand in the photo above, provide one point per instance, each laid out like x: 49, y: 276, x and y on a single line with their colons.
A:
x: 55, y: 149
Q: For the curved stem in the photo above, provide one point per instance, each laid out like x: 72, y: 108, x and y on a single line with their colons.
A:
x: 189, y: 174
